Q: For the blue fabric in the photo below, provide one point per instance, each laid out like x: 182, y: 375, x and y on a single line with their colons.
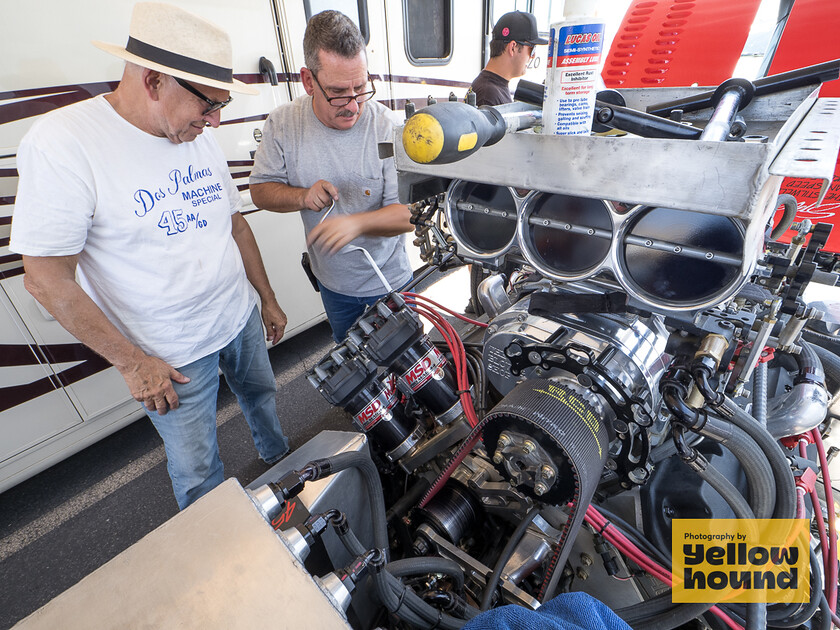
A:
x: 189, y: 432
x: 343, y: 310
x: 569, y: 611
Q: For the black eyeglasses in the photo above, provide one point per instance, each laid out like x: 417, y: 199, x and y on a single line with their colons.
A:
x: 344, y: 101
x: 212, y: 106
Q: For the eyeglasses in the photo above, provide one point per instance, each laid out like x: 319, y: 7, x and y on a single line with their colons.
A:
x: 212, y: 106
x: 532, y: 49
x: 344, y: 101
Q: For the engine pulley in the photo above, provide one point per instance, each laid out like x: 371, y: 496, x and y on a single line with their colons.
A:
x: 573, y: 436
x: 568, y: 440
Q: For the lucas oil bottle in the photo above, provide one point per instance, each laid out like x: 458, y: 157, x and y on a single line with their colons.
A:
x: 575, y: 46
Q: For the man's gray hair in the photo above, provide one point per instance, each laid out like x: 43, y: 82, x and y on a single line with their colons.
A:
x: 331, y: 31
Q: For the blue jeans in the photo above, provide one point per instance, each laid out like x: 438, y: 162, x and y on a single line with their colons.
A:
x: 189, y: 432
x: 343, y: 310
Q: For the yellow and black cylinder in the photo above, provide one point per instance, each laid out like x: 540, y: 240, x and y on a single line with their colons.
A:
x: 447, y: 132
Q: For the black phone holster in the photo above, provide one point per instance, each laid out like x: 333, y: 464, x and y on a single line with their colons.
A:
x: 307, y: 267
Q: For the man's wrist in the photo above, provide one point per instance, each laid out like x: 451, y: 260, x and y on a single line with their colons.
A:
x: 129, y: 359
x: 267, y: 297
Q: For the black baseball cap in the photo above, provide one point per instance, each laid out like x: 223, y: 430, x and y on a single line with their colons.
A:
x: 518, y: 26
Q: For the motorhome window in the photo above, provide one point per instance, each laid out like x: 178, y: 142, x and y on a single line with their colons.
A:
x: 356, y: 10
x: 427, y: 25
x: 547, y: 13
x: 500, y: 7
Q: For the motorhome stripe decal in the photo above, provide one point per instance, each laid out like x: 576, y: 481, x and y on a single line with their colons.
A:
x: 394, y: 78
x: 48, y: 99
x: 19, y: 394
x: 38, y: 101
x: 69, y: 352
x: 16, y: 355
x: 294, y: 77
x: 78, y: 372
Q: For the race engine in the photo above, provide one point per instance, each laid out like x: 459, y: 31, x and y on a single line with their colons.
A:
x: 650, y: 349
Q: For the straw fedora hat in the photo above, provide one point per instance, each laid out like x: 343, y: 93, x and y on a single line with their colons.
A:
x: 176, y: 42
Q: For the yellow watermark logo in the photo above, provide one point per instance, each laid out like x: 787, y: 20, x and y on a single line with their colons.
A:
x: 738, y: 560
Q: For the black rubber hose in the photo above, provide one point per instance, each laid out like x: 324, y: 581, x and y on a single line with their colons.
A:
x: 788, y: 216
x: 427, y: 564
x: 407, y: 600
x: 408, y: 500
x: 756, y: 616
x: 701, y: 380
x: 673, y: 397
x: 400, y: 599
x: 650, y: 607
x: 381, y: 582
x: 785, y: 484
x: 758, y: 471
x: 391, y: 600
x: 666, y: 449
x: 782, y: 618
x: 829, y: 342
x: 451, y: 602
x: 507, y: 552
x: 810, y: 366
x: 754, y: 293
x: 734, y: 499
x: 363, y: 463
x: 830, y: 361
x: 756, y: 613
x: 673, y: 618
x: 825, y: 613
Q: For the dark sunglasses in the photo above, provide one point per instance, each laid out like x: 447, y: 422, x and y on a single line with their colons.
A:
x: 533, y: 48
x: 344, y: 101
x: 212, y: 105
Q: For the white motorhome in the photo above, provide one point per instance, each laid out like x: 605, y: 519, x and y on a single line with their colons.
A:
x: 56, y: 396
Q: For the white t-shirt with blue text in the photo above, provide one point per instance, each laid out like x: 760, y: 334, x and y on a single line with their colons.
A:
x: 150, y: 220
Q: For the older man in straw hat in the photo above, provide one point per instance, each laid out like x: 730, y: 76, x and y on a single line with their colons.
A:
x: 167, y: 300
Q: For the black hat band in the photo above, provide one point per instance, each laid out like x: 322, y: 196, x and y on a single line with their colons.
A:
x: 179, y: 62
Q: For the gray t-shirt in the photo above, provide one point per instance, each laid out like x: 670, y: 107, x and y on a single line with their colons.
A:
x: 298, y: 149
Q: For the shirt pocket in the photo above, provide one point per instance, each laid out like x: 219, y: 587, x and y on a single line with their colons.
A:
x: 361, y: 194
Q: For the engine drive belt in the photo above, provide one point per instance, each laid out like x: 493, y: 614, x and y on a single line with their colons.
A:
x: 566, y: 430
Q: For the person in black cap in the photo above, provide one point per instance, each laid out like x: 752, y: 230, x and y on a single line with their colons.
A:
x: 514, y: 38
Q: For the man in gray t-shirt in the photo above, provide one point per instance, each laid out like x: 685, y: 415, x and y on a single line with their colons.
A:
x: 321, y: 150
